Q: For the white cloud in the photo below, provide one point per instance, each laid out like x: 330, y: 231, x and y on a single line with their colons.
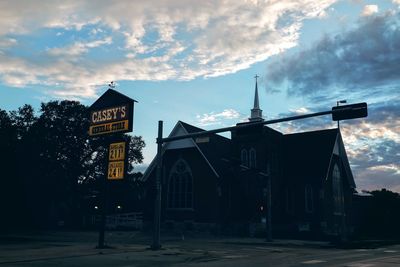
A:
x: 213, y: 118
x: 302, y: 110
x: 178, y: 40
x: 7, y: 42
x: 390, y: 168
x: 78, y: 48
x: 369, y: 10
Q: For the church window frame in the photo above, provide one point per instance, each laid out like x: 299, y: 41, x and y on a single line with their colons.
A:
x: 289, y: 194
x: 180, y: 187
x: 309, y: 199
x: 252, y: 158
x: 244, y: 159
x: 337, y: 191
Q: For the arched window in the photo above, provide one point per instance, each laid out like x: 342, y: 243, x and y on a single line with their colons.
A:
x: 252, y: 158
x: 309, y: 199
x: 180, y: 186
x: 289, y: 200
x: 243, y: 157
x: 337, y: 190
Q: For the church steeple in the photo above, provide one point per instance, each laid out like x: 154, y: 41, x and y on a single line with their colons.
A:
x: 256, y: 112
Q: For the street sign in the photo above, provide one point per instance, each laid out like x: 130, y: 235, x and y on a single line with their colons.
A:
x: 352, y: 111
x: 116, y: 170
x: 117, y: 151
x: 111, y: 113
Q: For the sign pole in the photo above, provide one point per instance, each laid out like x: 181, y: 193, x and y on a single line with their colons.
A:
x: 157, y: 208
x: 103, y: 212
x: 111, y: 114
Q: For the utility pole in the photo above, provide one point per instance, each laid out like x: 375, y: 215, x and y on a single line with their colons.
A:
x: 337, y: 104
x: 157, y: 206
x: 343, y: 232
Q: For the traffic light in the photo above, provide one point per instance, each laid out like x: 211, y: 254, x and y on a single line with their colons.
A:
x: 352, y: 111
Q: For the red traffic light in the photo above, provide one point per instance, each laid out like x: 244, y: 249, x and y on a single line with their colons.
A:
x: 347, y: 112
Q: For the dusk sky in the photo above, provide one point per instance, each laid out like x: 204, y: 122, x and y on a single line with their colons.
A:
x: 195, y: 61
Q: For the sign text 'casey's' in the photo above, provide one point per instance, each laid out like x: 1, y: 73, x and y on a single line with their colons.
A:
x: 109, y: 120
x: 109, y: 114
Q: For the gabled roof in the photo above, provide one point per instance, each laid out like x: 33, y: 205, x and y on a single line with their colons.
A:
x: 214, y: 150
x: 345, y: 161
x: 211, y: 151
x: 309, y: 154
x: 111, y: 96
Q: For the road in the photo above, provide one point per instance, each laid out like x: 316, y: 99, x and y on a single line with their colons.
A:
x: 131, y: 249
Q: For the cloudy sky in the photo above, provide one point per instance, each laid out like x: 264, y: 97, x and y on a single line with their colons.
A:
x: 195, y: 61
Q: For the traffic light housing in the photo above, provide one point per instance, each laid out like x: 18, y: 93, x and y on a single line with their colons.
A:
x: 347, y: 112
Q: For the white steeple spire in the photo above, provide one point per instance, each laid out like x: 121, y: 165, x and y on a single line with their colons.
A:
x: 256, y: 112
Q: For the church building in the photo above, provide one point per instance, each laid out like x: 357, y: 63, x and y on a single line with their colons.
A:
x: 228, y: 184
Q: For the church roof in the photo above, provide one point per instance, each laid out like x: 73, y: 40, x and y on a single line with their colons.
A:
x: 306, y: 155
x: 309, y: 154
x: 212, y: 149
x: 256, y: 112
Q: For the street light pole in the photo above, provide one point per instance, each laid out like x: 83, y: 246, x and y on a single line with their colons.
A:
x: 337, y: 104
x: 157, y: 206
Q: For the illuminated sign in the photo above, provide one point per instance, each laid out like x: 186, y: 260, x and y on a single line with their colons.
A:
x: 116, y: 151
x: 112, y: 127
x: 111, y: 113
x: 117, y: 159
x: 116, y: 170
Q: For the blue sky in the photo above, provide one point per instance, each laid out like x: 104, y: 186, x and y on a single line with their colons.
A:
x: 195, y: 61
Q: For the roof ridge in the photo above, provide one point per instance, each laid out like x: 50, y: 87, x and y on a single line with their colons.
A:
x: 313, y: 131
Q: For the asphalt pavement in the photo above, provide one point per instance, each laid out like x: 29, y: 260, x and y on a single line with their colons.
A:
x: 132, y: 249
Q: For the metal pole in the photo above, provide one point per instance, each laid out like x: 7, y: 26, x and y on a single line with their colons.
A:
x: 157, y: 207
x: 337, y: 104
x: 243, y: 126
x: 269, y: 212
x: 102, y: 225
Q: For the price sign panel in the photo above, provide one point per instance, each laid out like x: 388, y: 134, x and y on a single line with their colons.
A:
x: 117, y: 151
x: 116, y: 164
x: 115, y: 170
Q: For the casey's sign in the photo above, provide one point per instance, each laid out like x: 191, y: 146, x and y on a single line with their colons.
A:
x: 109, y: 120
x: 109, y: 114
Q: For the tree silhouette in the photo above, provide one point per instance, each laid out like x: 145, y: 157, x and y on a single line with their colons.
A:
x: 50, y: 163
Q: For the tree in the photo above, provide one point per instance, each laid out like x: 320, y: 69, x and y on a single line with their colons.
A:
x: 10, y: 197
x: 51, y: 160
x: 381, y: 218
x: 96, y: 169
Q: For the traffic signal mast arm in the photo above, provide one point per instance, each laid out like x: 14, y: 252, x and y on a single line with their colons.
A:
x: 342, y: 113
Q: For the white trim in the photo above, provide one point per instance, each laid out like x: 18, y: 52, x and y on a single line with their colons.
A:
x: 330, y: 161
x: 165, y: 147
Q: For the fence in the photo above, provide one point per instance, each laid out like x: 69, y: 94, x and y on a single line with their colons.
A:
x: 132, y: 220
